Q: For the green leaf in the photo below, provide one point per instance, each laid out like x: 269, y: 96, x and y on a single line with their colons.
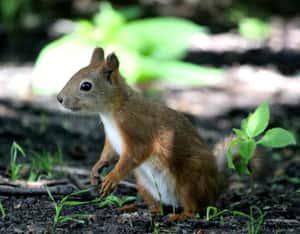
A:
x: 254, y: 28
x: 178, y: 72
x: 240, y: 133
x: 258, y: 121
x: 277, y: 138
x: 66, y: 54
x: 159, y: 38
x: 247, y: 148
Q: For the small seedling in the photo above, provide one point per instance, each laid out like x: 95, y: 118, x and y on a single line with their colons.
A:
x: 212, y: 212
x: 15, y: 167
x: 159, y: 195
x: 251, y: 127
x: 156, y: 229
x: 254, y: 224
x: 112, y: 199
x: 78, y: 218
x: 2, y: 210
x: 44, y: 163
x: 43, y: 122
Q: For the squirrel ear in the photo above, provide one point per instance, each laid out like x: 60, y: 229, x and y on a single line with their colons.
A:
x: 112, y: 61
x: 97, y: 56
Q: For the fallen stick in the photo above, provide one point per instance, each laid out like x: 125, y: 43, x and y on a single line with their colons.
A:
x: 19, y: 191
x: 83, y: 172
x: 286, y: 221
x: 31, y: 184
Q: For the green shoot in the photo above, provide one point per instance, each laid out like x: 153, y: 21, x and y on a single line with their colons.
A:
x: 15, y: 168
x: 156, y: 229
x: 33, y: 175
x: 215, y: 213
x: 78, y: 218
x: 114, y: 200
x: 2, y: 210
x: 44, y: 163
x: 254, y: 224
x: 159, y: 195
x: 246, y: 138
x: 43, y: 122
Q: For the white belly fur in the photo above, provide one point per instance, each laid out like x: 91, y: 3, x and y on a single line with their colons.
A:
x: 160, y: 183
x: 112, y: 132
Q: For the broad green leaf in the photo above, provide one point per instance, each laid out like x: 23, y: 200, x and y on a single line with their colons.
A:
x: 244, y: 125
x: 57, y: 62
x: 247, y: 148
x: 108, y: 22
x: 159, y: 38
x: 258, y: 121
x: 178, y: 72
x: 239, y: 133
x: 277, y: 138
x: 254, y: 28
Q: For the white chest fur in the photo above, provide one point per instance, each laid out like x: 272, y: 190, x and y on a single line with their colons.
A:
x: 112, y: 132
x: 160, y: 183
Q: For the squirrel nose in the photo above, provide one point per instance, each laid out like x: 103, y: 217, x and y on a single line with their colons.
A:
x: 60, y: 99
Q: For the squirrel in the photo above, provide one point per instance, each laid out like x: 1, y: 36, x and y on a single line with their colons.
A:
x: 171, y: 162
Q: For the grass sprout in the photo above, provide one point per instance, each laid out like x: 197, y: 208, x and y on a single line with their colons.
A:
x: 45, y: 163
x: 2, y: 210
x: 114, y: 200
x: 161, y: 208
x: 254, y: 222
x: 59, y: 205
x: 15, y: 167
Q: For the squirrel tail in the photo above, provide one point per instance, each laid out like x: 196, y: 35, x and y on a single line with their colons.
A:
x: 220, y: 152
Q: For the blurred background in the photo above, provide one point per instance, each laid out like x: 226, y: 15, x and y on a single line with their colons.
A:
x: 209, y: 59
x: 212, y: 55
x: 213, y: 60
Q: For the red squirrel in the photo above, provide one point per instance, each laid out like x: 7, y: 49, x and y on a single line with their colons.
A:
x: 171, y: 162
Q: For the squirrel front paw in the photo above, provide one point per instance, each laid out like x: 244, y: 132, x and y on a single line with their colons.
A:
x: 109, y: 184
x: 95, y: 174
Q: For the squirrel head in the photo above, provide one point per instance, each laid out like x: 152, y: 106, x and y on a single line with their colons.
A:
x: 94, y: 87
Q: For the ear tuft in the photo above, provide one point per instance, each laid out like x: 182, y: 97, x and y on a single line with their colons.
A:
x: 112, y: 61
x: 97, y: 56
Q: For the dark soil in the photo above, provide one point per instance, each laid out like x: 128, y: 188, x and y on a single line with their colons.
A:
x: 81, y: 139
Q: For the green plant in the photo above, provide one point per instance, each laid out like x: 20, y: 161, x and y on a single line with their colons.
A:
x: 43, y: 122
x: 78, y: 218
x: 161, y: 208
x: 2, y: 210
x: 148, y: 49
x: 254, y: 28
x: 251, y: 127
x: 44, y: 163
x: 254, y: 223
x: 156, y: 229
x: 15, y: 167
x: 112, y: 199
x: 212, y: 212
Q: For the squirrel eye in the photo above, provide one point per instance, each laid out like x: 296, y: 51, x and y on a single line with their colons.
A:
x: 85, y: 86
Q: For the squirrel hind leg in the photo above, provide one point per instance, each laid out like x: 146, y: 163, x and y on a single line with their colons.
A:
x: 152, y: 203
x: 196, y: 196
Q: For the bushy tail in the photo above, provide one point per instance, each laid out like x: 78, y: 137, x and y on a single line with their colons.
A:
x: 220, y: 152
